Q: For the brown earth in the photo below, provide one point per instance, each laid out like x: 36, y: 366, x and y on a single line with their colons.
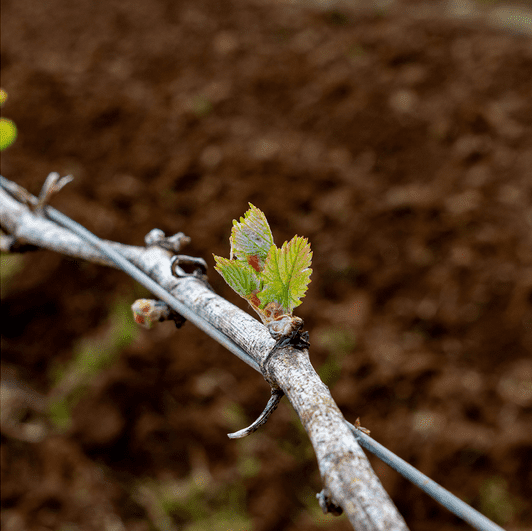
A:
x: 400, y: 145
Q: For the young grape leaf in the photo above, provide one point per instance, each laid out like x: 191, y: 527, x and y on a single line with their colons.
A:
x: 272, y: 280
x: 240, y: 276
x: 286, y: 274
x: 251, y: 238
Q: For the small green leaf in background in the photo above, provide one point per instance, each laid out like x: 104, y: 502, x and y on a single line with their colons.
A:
x: 8, y: 129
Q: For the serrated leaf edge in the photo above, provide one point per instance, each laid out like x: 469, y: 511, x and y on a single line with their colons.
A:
x: 269, y: 293
x: 252, y: 216
x: 226, y: 266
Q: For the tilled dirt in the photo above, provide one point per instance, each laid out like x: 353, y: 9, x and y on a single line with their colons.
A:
x: 400, y: 145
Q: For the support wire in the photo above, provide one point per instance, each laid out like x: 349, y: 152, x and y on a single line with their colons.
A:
x: 142, y: 278
x: 433, y: 489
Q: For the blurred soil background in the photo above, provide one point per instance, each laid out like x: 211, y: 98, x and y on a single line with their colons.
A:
x: 397, y: 137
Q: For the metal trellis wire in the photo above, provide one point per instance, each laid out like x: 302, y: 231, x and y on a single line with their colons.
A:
x: 430, y: 487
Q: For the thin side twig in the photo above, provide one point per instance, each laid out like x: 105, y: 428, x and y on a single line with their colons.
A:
x: 53, y: 236
x: 349, y: 481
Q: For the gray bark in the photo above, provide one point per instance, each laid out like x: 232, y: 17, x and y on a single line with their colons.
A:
x: 348, y: 479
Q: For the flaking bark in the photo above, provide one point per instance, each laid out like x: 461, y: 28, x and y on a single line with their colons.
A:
x: 348, y: 478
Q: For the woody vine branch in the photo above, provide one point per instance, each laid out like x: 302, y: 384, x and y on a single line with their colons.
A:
x: 349, y: 482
